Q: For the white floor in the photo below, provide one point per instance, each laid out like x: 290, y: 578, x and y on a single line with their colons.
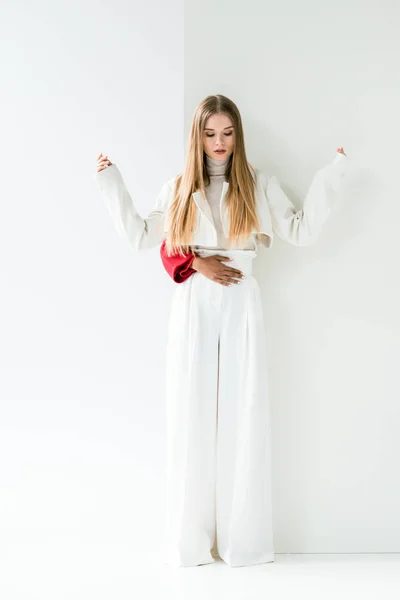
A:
x: 66, y: 570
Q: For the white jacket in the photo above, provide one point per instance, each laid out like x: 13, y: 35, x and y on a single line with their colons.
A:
x: 276, y: 212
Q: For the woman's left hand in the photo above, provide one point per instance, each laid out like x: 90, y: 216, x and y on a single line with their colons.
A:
x: 102, y: 162
x: 341, y: 150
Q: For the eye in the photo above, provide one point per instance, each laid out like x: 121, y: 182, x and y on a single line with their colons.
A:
x: 212, y: 135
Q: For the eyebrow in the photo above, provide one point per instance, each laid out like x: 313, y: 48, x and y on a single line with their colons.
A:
x: 209, y: 128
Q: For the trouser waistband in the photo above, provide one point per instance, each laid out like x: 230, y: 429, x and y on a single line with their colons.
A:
x: 241, y: 259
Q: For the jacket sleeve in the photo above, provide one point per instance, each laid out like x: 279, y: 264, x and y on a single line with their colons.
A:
x: 302, y: 227
x: 140, y: 233
x: 178, y: 267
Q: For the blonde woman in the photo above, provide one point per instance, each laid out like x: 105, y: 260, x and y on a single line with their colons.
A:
x: 219, y: 210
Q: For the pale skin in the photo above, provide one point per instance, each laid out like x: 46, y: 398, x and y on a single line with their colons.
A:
x: 218, y: 143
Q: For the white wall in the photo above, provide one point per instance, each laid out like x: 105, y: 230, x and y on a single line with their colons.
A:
x: 83, y: 318
x: 307, y: 78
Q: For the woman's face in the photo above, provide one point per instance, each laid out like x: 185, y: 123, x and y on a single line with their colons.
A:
x: 219, y: 137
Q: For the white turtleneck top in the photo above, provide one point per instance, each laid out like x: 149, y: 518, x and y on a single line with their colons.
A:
x: 216, y: 171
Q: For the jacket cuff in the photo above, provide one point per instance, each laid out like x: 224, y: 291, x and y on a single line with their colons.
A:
x: 178, y: 267
x: 184, y: 271
x: 339, y: 157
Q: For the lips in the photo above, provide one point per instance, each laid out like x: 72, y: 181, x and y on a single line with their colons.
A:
x: 220, y: 151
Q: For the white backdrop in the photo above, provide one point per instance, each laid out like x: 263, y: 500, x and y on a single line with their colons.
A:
x: 83, y: 318
x: 309, y: 77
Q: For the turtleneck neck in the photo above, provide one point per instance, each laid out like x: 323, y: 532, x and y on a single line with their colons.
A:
x: 216, y: 167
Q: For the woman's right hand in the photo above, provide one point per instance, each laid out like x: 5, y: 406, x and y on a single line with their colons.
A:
x: 213, y: 268
x: 102, y: 162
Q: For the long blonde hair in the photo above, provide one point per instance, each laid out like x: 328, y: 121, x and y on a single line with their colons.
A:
x: 239, y: 173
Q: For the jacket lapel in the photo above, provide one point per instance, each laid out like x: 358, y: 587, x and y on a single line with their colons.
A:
x: 204, y: 207
x: 223, y: 209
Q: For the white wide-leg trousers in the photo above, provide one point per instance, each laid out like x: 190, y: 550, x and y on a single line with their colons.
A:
x: 218, y: 474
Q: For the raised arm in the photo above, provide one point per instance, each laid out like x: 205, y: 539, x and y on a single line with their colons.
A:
x: 140, y: 233
x: 302, y: 227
